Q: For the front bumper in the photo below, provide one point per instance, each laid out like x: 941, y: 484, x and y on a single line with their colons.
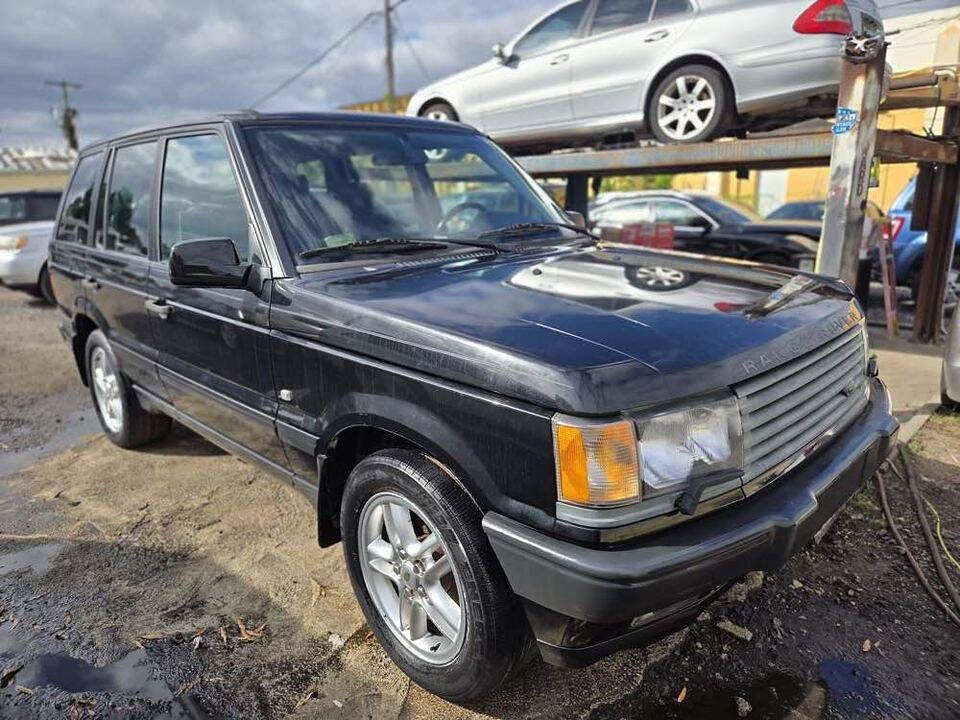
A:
x: 656, y: 584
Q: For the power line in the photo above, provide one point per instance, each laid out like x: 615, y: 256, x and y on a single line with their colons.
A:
x: 413, y: 51
x: 333, y: 46
x: 318, y: 59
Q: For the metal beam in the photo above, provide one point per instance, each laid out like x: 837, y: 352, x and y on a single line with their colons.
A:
x: 854, y: 140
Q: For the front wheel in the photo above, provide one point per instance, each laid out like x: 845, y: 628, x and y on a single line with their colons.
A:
x: 44, y: 287
x: 426, y: 578
x: 691, y: 104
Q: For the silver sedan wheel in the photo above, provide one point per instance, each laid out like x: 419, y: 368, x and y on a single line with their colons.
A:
x: 414, y: 585
x: 437, y: 115
x: 659, y: 277
x: 686, y: 107
x: 106, y: 389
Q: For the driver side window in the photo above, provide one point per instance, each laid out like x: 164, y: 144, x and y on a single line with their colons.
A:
x: 681, y: 215
x: 551, y: 31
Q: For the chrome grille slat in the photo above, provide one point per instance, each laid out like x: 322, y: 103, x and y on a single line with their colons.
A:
x: 800, y: 378
x: 787, y: 408
x: 823, y: 383
x: 750, y: 387
x: 839, y: 417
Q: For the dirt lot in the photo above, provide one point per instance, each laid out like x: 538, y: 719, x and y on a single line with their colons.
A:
x: 178, y: 581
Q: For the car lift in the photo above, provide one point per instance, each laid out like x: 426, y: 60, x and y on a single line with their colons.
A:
x: 849, y: 151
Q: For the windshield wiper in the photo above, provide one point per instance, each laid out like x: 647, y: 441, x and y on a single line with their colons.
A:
x: 377, y: 245
x: 529, y: 228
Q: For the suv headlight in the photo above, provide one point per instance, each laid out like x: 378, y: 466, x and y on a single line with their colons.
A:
x: 679, y: 445
x: 13, y: 243
x: 608, y: 464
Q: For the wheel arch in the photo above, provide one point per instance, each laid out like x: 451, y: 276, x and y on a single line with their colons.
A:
x: 438, y: 99
x: 695, y: 58
x: 358, y: 435
x: 83, y: 326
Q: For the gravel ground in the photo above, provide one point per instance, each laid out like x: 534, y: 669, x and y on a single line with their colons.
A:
x: 178, y: 581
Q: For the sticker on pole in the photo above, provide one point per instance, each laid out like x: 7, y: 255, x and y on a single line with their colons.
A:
x: 846, y: 121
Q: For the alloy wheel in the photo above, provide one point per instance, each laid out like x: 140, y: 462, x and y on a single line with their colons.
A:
x: 658, y: 277
x: 106, y: 389
x: 411, y: 578
x: 686, y: 107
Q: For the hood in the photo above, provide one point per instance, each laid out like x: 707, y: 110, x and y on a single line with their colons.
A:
x: 589, y: 332
x: 28, y: 228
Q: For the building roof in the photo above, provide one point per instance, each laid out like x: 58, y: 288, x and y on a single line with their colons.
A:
x: 35, y: 159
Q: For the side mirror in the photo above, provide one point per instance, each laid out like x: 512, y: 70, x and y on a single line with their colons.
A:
x: 499, y: 53
x: 577, y: 218
x: 207, y: 262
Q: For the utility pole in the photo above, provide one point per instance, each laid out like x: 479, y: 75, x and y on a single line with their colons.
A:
x: 388, y: 37
x: 68, y: 114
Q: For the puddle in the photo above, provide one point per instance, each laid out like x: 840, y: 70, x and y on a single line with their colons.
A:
x: 133, y: 674
x: 850, y: 691
x: 36, y: 558
x: 76, y: 427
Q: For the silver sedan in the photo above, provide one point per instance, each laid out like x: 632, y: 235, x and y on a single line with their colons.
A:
x: 683, y: 70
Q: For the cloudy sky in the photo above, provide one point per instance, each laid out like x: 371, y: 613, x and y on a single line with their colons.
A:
x: 147, y: 61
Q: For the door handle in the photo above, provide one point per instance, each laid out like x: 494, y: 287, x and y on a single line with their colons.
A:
x: 560, y: 59
x: 654, y: 37
x: 158, y: 308
x: 90, y: 283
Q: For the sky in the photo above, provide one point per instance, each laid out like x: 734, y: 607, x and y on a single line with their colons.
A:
x: 152, y: 62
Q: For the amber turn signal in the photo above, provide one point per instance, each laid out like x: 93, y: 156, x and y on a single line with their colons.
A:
x: 597, y: 463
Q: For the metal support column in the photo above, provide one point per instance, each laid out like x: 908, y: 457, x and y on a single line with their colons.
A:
x: 941, y: 233
x: 577, y: 194
x: 854, y: 140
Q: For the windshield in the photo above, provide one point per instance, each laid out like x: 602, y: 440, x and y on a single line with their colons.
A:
x: 332, y: 187
x: 726, y: 212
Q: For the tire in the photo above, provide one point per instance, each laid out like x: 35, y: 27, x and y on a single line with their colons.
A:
x: 441, y: 111
x: 123, y: 421
x: 44, y: 288
x: 492, y: 636
x: 703, y: 84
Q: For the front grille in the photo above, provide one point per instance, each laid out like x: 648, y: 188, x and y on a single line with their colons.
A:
x: 786, y: 409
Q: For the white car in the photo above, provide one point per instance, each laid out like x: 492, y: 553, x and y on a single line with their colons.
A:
x: 682, y: 70
x: 950, y: 377
x: 23, y: 257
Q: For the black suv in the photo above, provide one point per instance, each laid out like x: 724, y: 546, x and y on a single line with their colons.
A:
x: 519, y: 443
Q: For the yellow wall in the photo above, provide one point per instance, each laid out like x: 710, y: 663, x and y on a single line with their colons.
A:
x: 33, y: 181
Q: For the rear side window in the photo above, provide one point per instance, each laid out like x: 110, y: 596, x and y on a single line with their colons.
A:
x: 616, y: 14
x: 128, y: 200
x: 75, y: 221
x: 200, y: 197
x: 13, y: 208
x: 552, y: 30
x: 668, y: 8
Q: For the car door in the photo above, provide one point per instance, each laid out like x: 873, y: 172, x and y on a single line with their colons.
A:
x: 532, y: 86
x: 68, y: 250
x: 692, y: 228
x: 117, y: 262
x: 626, y: 42
x: 214, y: 342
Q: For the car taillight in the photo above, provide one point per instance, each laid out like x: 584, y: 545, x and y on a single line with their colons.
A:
x: 896, y: 225
x: 825, y: 17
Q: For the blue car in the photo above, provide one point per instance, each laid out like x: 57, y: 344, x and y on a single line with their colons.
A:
x: 909, y: 246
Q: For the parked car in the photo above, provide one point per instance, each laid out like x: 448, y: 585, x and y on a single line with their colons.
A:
x: 710, y: 225
x: 681, y: 70
x: 909, y: 246
x: 26, y: 225
x: 813, y: 210
x: 511, y: 450
x: 27, y: 206
x: 950, y: 376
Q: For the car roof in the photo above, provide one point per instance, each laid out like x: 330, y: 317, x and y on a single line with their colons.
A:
x: 253, y: 117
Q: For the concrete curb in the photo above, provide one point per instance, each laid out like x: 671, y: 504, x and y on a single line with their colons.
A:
x: 912, y: 426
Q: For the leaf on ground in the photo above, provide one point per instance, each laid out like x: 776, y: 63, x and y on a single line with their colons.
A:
x: 683, y: 695
x: 223, y: 634
x: 24, y: 690
x: 867, y: 645
x: 249, y: 634
x: 9, y: 673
